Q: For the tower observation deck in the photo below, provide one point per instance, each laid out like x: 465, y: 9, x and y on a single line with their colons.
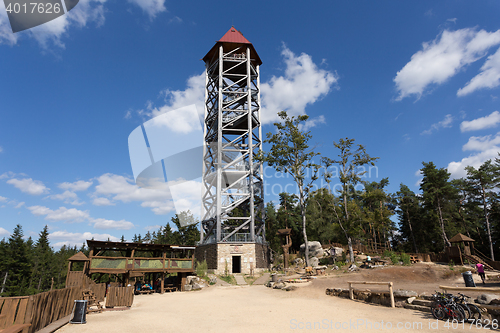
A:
x: 232, y: 227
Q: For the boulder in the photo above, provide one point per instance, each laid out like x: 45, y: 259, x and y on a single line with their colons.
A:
x: 196, y: 286
x: 279, y: 285
x: 410, y: 300
x: 336, y: 251
x: 315, y: 249
x: 289, y: 288
x: 313, y: 261
x: 188, y: 287
x: 298, y: 261
x: 191, y: 278
x: 405, y: 293
x: 486, y: 298
x: 353, y: 268
x: 213, y: 280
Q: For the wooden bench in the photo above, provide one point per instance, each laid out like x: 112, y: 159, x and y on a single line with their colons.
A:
x: 149, y: 291
x: 389, y: 284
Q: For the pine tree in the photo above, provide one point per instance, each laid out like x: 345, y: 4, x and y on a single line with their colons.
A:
x: 18, y: 264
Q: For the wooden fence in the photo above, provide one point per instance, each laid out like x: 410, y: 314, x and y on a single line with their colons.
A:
x: 389, y: 284
x: 120, y: 296
x: 38, y: 310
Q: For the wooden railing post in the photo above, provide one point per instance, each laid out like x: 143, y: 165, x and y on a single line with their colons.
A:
x: 391, y: 294
x: 351, y: 292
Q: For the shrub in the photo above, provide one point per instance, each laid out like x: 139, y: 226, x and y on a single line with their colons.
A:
x: 405, y: 258
x: 201, y: 268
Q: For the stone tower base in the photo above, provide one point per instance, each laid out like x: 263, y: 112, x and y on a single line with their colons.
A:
x: 234, y: 258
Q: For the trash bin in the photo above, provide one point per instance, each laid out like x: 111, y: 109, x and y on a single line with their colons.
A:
x: 274, y: 277
x: 469, y: 281
x: 79, y: 312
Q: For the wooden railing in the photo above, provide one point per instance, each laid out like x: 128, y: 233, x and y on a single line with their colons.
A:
x: 120, y: 296
x: 389, y: 284
x: 37, y: 310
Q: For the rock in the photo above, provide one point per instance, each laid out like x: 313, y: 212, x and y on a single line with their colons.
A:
x: 289, y: 288
x: 269, y: 284
x: 320, y: 267
x: 315, y: 249
x: 335, y: 267
x: 188, y: 287
x: 353, y: 268
x: 213, y: 280
x: 279, y: 285
x: 196, y: 286
x: 410, y: 300
x: 313, y: 261
x: 191, y: 278
x: 485, y: 298
x: 405, y: 293
x: 298, y: 261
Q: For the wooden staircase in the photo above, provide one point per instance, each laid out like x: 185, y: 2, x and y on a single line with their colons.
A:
x: 89, y: 296
x: 476, y: 260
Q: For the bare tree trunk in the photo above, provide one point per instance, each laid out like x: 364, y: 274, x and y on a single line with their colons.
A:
x: 304, y: 232
x: 4, y: 281
x: 411, y: 231
x: 487, y: 223
x: 441, y: 222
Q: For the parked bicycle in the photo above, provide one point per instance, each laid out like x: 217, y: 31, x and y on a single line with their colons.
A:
x: 445, y: 307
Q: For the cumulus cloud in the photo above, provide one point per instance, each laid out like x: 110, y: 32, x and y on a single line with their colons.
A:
x: 312, y: 122
x: 123, y: 189
x: 485, y: 148
x: 489, y: 77
x: 445, y: 123
x: 489, y: 121
x: 60, y: 238
x: 68, y: 197
x: 150, y: 7
x: 482, y: 143
x: 111, y: 224
x: 28, y: 185
x: 77, y: 186
x: 303, y: 83
x: 3, y: 199
x: 70, y: 215
x: 100, y: 201
x: 52, y: 32
x: 4, y: 232
x: 442, y: 58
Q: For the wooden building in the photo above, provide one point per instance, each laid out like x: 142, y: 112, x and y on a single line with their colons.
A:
x: 127, y: 261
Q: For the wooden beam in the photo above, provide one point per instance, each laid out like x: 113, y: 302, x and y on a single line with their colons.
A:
x: 491, y: 290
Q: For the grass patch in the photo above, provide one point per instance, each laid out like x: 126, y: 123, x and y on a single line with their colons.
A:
x: 228, y: 278
x: 251, y: 279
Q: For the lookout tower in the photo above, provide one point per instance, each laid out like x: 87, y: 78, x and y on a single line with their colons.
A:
x: 232, y: 228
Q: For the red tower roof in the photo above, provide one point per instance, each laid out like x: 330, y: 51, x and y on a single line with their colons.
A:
x: 231, y: 40
x: 234, y: 36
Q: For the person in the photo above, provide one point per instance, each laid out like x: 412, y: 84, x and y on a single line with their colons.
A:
x: 480, y: 271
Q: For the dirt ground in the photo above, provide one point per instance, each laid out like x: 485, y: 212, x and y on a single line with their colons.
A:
x: 261, y: 309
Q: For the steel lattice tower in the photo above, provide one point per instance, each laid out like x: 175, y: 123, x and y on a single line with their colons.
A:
x: 232, y: 201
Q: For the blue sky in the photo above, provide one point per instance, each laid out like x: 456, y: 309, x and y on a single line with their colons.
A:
x: 412, y: 81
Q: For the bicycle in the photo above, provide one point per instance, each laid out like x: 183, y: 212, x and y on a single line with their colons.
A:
x: 444, y: 306
x: 474, y: 313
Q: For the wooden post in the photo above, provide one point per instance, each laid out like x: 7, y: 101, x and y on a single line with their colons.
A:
x: 351, y: 292
x: 162, y: 283
x: 391, y: 294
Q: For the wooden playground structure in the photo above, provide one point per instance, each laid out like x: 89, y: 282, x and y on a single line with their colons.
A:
x: 130, y: 262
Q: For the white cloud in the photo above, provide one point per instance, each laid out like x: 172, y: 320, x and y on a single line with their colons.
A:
x: 77, y: 186
x: 3, y: 199
x: 19, y: 205
x: 111, y: 224
x: 178, y: 99
x: 303, y: 83
x: 486, y: 147
x: 489, y: 121
x: 312, y: 122
x: 489, y: 77
x: 1, y: 149
x: 152, y: 227
x: 60, y: 238
x: 442, y: 58
x: 52, y: 32
x: 120, y: 188
x: 151, y: 7
x: 4, y: 232
x: 68, y: 197
x: 482, y: 143
x: 100, y: 201
x: 62, y: 214
x: 28, y: 185
x: 445, y: 123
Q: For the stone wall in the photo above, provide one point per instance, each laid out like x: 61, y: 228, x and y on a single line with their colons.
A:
x: 208, y: 253
x: 262, y: 256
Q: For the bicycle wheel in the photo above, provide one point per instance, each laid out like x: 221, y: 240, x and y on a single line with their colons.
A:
x: 475, y: 312
x: 466, y: 311
x: 457, y: 314
x: 438, y: 311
